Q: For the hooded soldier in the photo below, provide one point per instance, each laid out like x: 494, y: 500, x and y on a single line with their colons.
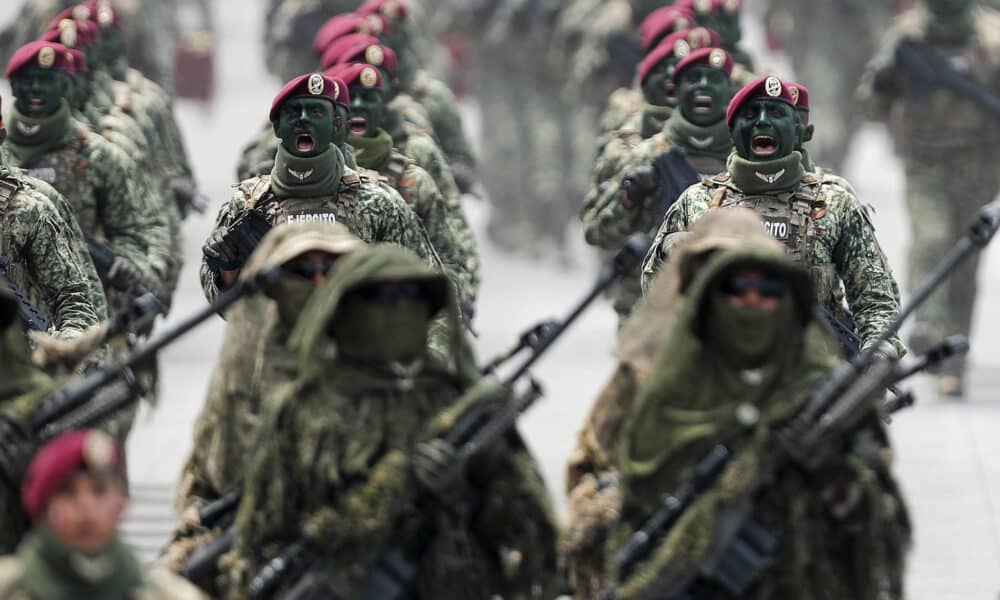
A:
x: 743, y: 355
x: 694, y: 140
x: 336, y: 462
x: 593, y: 501
x: 254, y: 365
x: 822, y: 224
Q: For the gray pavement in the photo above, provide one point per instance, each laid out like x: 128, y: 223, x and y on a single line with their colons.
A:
x: 947, y: 451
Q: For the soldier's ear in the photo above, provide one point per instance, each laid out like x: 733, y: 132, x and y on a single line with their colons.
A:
x: 810, y: 129
x: 274, y: 128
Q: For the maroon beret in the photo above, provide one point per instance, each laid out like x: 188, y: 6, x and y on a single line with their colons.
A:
x: 359, y: 47
x: 345, y: 24
x: 662, y: 22
x: 361, y: 74
x: 48, y: 55
x: 79, y: 60
x: 390, y: 10
x: 708, y: 7
x: 58, y: 460
x: 717, y: 58
x: 800, y: 95
x: 316, y: 85
x: 677, y: 45
x: 770, y: 88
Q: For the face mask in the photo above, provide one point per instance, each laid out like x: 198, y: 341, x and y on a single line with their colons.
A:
x: 659, y: 89
x: 765, y: 130
x: 704, y: 95
x: 38, y: 92
x: 746, y: 338
x: 291, y: 293
x: 307, y: 126
x: 381, y: 331
x: 367, y: 108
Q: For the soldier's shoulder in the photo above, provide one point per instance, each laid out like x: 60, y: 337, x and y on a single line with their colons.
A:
x: 250, y: 192
x: 10, y: 574
x: 363, y: 185
x: 21, y: 193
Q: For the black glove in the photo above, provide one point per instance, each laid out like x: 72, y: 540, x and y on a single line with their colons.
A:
x: 186, y: 196
x: 221, y: 253
x: 124, y: 275
x: 438, y: 472
x: 639, y: 184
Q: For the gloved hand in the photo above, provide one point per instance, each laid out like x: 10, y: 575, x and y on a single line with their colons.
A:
x: 437, y: 471
x: 220, y: 253
x: 186, y: 196
x: 124, y: 275
x: 639, y: 184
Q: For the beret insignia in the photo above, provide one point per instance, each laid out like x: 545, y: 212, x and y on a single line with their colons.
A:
x: 374, y: 55
x: 67, y: 33
x: 717, y: 59
x: 794, y: 92
x: 390, y: 10
x: 98, y: 450
x: 772, y: 87
x: 81, y: 13
x: 316, y: 85
x: 46, y: 57
x: 369, y: 78
x: 682, y: 49
x: 703, y: 7
x: 732, y: 6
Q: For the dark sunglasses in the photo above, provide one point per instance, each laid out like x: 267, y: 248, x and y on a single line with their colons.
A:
x: 389, y: 293
x: 308, y: 269
x: 767, y: 287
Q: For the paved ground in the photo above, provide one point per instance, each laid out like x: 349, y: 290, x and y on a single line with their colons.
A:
x: 946, y: 451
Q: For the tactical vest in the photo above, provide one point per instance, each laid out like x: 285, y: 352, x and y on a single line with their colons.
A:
x: 332, y: 209
x: 392, y: 173
x: 66, y: 169
x: 792, y: 219
x: 9, y: 187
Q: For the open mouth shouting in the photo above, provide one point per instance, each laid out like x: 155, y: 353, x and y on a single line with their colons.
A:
x: 703, y: 103
x: 305, y: 142
x: 358, y: 125
x: 763, y: 145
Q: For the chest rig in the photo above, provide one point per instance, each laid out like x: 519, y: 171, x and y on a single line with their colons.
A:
x: 67, y: 168
x: 792, y: 218
x: 339, y: 208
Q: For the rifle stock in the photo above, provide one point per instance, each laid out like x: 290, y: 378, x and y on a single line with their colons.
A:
x: 31, y: 318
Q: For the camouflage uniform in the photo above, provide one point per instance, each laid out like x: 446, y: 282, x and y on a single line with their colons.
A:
x: 946, y: 142
x: 442, y: 109
x: 45, y: 256
x: 289, y: 29
x: 367, y: 210
x: 825, y: 228
x: 360, y: 424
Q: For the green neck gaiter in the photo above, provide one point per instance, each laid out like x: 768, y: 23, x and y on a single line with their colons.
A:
x: 653, y: 119
x: 18, y: 375
x: 392, y: 122
x: 807, y: 162
x: 950, y: 32
x: 52, y: 571
x: 349, y: 160
x: 776, y: 176
x: 381, y: 333
x: 712, y: 141
x: 372, y: 152
x: 747, y: 338
x: 30, y: 138
x: 298, y: 177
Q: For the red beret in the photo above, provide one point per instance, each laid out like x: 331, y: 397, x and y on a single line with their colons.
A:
x: 717, y: 58
x: 770, y: 88
x: 359, y: 47
x: 316, y: 85
x: 59, y: 459
x: 677, y: 45
x: 800, y: 95
x: 390, y: 10
x: 662, y: 22
x: 345, y: 24
x: 48, y: 55
x: 79, y: 61
x: 361, y: 74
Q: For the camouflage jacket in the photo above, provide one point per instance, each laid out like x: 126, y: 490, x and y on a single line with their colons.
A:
x: 44, y: 262
x: 826, y: 229
x: 368, y: 210
x: 442, y: 109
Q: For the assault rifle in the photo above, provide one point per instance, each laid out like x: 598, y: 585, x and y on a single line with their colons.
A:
x: 744, y: 549
x: 668, y: 175
x: 243, y: 236
x: 478, y: 430
x: 933, y: 71
x: 104, y: 257
x: 31, y: 317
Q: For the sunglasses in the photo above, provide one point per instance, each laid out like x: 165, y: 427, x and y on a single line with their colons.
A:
x: 308, y: 269
x: 390, y: 293
x: 766, y: 287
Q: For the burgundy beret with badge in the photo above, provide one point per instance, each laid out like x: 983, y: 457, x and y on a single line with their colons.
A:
x: 770, y: 88
x: 390, y: 10
x: 717, y: 58
x: 58, y: 460
x: 79, y: 61
x: 359, y: 47
x: 315, y: 85
x: 47, y: 55
x: 677, y: 45
x: 345, y: 24
x: 661, y: 23
x: 800, y: 95
x: 103, y: 13
x: 360, y: 74
x: 708, y: 7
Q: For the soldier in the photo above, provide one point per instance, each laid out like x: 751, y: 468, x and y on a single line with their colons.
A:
x: 593, y: 504
x: 694, y: 144
x: 362, y: 412
x: 822, y: 224
x: 99, y: 180
x: 744, y: 356
x: 254, y: 366
x: 44, y: 254
x: 75, y: 491
x: 723, y: 17
x: 374, y: 150
x: 309, y: 182
x: 290, y: 26
x: 945, y: 138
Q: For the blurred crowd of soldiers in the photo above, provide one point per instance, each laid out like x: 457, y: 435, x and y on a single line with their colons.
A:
x: 350, y: 446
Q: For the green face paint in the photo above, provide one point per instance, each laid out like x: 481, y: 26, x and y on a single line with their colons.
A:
x: 765, y: 130
x: 307, y: 126
x: 38, y: 92
x: 367, y: 109
x: 658, y: 89
x: 340, y: 115
x: 704, y: 94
